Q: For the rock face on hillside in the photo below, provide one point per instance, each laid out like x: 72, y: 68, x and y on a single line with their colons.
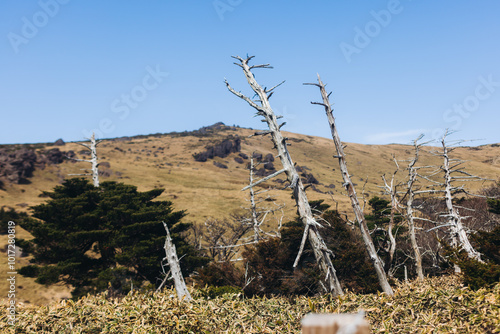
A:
x: 205, y: 131
x: 59, y: 142
x: 55, y: 156
x: 211, y: 128
x: 307, y: 177
x: 18, y: 164
x: 222, y: 149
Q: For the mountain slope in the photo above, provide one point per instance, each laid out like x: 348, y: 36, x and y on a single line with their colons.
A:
x: 207, y: 189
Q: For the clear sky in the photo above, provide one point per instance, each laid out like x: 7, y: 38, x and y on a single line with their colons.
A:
x: 123, y: 68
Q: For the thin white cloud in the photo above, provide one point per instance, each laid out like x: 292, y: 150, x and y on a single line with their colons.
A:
x: 402, y: 137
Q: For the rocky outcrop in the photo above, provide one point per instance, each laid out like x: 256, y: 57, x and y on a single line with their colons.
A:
x: 307, y: 178
x: 269, y: 158
x: 55, y: 156
x: 220, y: 165
x: 257, y: 156
x: 269, y: 166
x: 221, y: 149
x: 59, y: 142
x: 16, y: 166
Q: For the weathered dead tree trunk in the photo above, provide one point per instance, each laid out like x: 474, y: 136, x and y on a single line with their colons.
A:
x: 93, y: 159
x: 457, y: 229
x: 175, y: 268
x: 224, y: 239
x: 94, y: 162
x: 253, y: 209
x: 321, y: 252
x: 226, y: 245
x: 348, y: 185
x: 391, y: 190
x: 458, y: 233
x: 412, y: 179
x: 259, y: 214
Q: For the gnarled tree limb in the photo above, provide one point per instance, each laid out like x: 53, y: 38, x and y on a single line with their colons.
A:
x: 321, y: 253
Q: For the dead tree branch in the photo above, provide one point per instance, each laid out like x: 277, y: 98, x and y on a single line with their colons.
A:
x: 321, y: 252
x: 457, y: 230
x: 410, y: 217
x: 391, y: 190
x: 348, y: 185
x: 175, y: 269
x: 93, y: 160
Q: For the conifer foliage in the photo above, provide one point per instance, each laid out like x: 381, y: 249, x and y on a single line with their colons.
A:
x: 9, y: 214
x: 103, y: 238
x: 268, y: 265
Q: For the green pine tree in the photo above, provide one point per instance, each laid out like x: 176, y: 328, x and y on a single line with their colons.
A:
x: 105, y: 237
x: 494, y: 205
x: 380, y: 212
x: 9, y: 214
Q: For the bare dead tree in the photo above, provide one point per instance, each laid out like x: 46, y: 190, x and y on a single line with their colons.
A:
x: 93, y: 159
x: 453, y: 172
x: 413, y: 189
x: 321, y: 252
x: 223, y: 238
x: 410, y: 216
x: 253, y: 208
x: 391, y: 189
x: 348, y: 185
x: 259, y: 214
x: 175, y: 269
x: 195, y: 237
x: 480, y: 217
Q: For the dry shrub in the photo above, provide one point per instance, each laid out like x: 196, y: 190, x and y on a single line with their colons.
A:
x: 439, y: 305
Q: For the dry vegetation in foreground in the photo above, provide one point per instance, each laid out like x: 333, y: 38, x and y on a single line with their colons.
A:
x: 439, y: 305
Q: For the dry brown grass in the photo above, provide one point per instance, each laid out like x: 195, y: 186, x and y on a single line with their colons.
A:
x: 208, y: 191
x: 439, y: 305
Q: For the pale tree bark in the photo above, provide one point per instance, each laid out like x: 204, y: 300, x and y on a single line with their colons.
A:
x: 410, y: 218
x: 458, y: 233
x: 92, y: 147
x: 391, y: 190
x: 348, y: 185
x: 94, y: 162
x: 454, y: 221
x: 224, y: 239
x: 259, y: 214
x: 175, y: 269
x: 322, y: 254
x: 253, y: 209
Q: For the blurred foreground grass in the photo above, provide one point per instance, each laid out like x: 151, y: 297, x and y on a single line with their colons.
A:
x: 439, y: 305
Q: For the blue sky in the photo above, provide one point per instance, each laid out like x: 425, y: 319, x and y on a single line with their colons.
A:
x: 122, y: 68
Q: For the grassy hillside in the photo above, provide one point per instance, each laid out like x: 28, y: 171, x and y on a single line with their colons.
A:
x: 207, y: 191
x: 166, y: 161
